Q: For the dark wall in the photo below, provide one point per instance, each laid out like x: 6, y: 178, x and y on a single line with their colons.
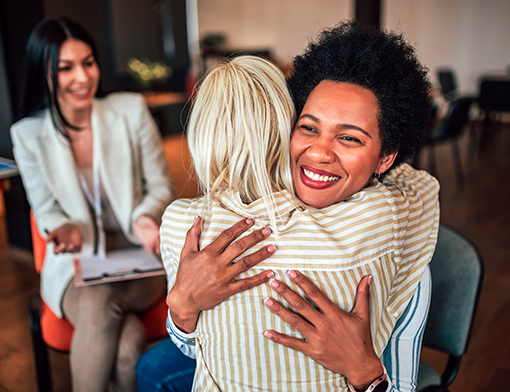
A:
x: 368, y: 12
x: 131, y: 28
x: 5, y: 106
x: 17, y: 19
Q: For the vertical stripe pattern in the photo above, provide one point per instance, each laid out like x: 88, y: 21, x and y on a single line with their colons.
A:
x: 387, y: 230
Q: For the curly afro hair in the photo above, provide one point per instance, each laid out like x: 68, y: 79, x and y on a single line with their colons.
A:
x: 380, y: 61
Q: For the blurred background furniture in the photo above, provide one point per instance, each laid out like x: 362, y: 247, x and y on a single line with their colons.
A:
x: 457, y: 275
x: 169, y: 109
x: 447, y: 83
x: 493, y: 100
x: 448, y: 130
x: 50, y: 331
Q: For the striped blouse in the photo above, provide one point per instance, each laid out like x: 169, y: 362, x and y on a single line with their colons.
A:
x: 387, y: 230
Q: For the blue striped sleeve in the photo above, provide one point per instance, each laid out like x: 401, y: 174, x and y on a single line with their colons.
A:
x: 184, y: 341
x: 401, y: 356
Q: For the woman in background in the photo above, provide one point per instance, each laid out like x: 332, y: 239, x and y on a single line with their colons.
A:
x: 97, y: 180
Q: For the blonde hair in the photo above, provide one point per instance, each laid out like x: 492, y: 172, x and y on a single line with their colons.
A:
x: 239, y: 132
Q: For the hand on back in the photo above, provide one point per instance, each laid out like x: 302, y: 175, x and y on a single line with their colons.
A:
x: 338, y: 340
x: 206, y: 277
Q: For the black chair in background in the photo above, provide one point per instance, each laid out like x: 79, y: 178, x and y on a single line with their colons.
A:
x: 449, y: 130
x: 493, y: 100
x: 448, y: 83
x: 457, y: 275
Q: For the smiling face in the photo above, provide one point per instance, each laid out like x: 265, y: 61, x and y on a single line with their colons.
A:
x: 335, y: 145
x: 78, y: 76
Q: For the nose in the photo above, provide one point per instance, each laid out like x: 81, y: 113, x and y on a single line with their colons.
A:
x: 321, y: 150
x: 81, y: 74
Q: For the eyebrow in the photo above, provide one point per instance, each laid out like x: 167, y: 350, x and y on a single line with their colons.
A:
x: 340, y: 126
x: 70, y: 61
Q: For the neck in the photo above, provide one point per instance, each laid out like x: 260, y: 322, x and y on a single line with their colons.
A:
x: 79, y: 118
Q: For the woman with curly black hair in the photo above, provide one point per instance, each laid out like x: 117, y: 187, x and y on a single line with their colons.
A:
x: 362, y: 103
x: 382, y: 62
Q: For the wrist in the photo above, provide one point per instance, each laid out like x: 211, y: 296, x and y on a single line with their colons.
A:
x: 184, y: 318
x: 364, y: 379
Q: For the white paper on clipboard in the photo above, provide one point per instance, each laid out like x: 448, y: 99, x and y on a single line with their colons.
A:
x: 118, y: 265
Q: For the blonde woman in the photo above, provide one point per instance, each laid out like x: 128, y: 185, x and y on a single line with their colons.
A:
x: 239, y: 134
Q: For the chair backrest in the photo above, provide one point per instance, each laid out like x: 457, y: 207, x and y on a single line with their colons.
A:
x: 447, y: 83
x: 495, y: 95
x: 457, y: 275
x: 454, y: 122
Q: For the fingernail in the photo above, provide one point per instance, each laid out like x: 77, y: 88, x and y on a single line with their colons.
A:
x: 249, y: 221
x: 266, y: 231
x: 292, y: 274
x: 273, y: 283
x: 195, y: 219
x: 370, y: 278
x: 271, y: 248
x: 268, y: 334
x: 270, y: 274
x: 269, y: 301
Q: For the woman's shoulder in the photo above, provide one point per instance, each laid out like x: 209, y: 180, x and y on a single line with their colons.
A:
x: 409, y: 182
x: 30, y: 124
x: 124, y: 103
x: 185, y: 208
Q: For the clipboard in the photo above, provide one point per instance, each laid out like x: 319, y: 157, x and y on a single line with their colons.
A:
x: 8, y: 168
x: 117, y: 266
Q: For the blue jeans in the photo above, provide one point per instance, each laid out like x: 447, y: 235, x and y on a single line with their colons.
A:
x: 164, y: 368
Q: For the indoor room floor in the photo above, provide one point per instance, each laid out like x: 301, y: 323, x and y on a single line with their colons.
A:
x: 479, y: 211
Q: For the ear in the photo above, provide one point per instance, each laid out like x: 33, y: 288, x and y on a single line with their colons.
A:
x: 385, y: 162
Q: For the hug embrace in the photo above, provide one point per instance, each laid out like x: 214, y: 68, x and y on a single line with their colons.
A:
x: 341, y: 229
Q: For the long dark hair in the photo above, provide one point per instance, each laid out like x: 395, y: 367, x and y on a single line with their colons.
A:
x: 41, y: 60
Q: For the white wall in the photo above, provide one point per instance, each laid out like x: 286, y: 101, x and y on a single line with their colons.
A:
x: 281, y: 25
x: 470, y: 36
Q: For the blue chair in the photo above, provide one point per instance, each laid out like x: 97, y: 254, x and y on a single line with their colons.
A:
x: 457, y: 275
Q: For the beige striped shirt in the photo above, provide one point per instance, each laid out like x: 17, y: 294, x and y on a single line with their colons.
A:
x: 387, y: 230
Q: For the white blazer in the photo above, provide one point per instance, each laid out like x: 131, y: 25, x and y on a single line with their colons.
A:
x: 132, y: 169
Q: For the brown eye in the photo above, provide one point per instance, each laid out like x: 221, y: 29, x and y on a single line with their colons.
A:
x: 306, y: 128
x: 350, y: 138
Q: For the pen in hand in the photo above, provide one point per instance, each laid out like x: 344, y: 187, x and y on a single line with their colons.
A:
x: 66, y: 239
x: 54, y: 239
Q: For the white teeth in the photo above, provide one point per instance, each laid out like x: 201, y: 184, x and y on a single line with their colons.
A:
x: 316, y: 177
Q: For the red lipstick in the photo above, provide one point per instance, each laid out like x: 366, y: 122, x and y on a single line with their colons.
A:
x: 317, y: 184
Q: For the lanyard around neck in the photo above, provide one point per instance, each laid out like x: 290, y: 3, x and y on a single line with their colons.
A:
x: 95, y: 202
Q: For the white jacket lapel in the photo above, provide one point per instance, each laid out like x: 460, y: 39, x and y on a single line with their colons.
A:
x: 60, y: 168
x: 112, y: 147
